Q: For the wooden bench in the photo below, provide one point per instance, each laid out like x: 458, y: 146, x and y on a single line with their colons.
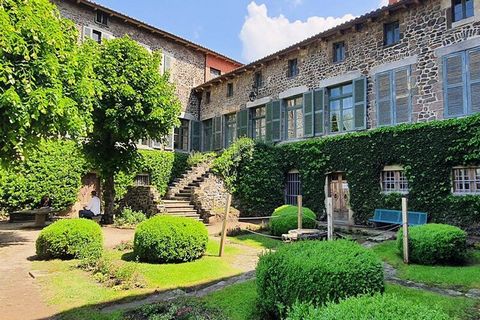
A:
x: 39, y: 215
x: 395, y: 217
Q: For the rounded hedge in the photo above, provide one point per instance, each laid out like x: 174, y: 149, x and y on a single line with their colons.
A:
x: 69, y: 239
x: 316, y: 272
x: 435, y: 244
x: 167, y: 239
x: 377, y: 307
x: 285, y: 218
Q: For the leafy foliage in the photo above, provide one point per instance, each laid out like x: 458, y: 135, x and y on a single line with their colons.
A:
x: 55, y: 168
x: 45, y: 79
x: 198, y: 157
x: 427, y: 151
x: 72, y: 238
x: 435, y: 244
x: 316, y: 272
x: 129, y: 217
x: 167, y: 239
x: 377, y: 307
x: 285, y: 218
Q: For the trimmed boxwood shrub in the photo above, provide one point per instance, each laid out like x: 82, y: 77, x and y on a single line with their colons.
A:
x: 435, y: 244
x: 167, y: 239
x: 71, y: 238
x: 377, y: 307
x: 316, y: 272
x: 286, y: 218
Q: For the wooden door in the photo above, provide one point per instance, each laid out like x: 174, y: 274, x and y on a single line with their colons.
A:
x: 338, y: 190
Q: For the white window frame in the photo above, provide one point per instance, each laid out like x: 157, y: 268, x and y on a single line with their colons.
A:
x: 470, y: 175
x: 396, y: 177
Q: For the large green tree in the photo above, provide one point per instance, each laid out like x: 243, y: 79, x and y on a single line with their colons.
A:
x: 45, y: 87
x: 133, y: 101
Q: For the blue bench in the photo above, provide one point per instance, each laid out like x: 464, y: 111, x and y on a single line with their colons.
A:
x: 395, y: 217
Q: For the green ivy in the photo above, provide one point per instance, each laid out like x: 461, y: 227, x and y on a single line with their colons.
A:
x: 427, y: 151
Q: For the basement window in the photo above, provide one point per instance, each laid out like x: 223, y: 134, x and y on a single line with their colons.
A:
x: 394, y: 180
x: 142, y: 180
x: 466, y: 180
x: 293, y: 187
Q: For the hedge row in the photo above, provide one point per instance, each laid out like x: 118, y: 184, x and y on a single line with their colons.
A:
x: 427, y: 151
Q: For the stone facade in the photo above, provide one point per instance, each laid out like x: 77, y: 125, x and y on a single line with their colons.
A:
x: 142, y: 198
x: 426, y: 34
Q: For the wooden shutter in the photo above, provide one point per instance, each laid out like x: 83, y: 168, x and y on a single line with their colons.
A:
x: 87, y: 33
x: 268, y: 122
x: 453, y: 74
x: 360, y: 102
x: 217, y: 133
x: 169, y: 140
x: 276, y: 121
x: 474, y: 80
x: 207, y: 135
x: 402, y: 95
x: 195, y: 134
x: 308, y: 114
x: 242, y: 123
x: 319, y: 111
x: 384, y: 99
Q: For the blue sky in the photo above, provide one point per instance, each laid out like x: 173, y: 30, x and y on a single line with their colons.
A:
x: 243, y: 29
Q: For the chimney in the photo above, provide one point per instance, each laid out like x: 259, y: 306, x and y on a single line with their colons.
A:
x: 390, y: 2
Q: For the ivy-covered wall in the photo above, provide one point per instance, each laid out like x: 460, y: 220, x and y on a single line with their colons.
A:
x: 427, y: 151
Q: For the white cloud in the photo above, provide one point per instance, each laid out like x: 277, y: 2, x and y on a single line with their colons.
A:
x: 262, y: 35
x: 295, y: 3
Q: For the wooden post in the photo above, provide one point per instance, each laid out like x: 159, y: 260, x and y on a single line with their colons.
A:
x: 224, y: 226
x: 329, y: 218
x: 300, y: 217
x: 405, y: 229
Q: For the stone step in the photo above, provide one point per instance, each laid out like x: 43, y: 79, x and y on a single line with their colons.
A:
x: 169, y: 206
x: 184, y: 214
x: 183, y: 193
x: 180, y: 198
x: 194, y: 184
x: 181, y: 209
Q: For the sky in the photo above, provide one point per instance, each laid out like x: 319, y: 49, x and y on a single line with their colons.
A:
x: 244, y: 30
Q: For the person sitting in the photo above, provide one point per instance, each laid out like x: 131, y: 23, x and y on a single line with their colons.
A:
x: 92, y: 209
x: 45, y: 202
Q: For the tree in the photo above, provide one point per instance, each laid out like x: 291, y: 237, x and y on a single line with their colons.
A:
x: 133, y: 101
x: 45, y: 87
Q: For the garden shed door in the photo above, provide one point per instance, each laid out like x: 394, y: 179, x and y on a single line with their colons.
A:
x: 340, y: 194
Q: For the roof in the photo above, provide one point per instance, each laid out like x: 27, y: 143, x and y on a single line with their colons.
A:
x: 157, y: 31
x: 340, y: 29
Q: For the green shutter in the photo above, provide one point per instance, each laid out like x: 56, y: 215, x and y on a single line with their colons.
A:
x: 308, y: 114
x: 319, y: 106
x: 217, y: 133
x: 207, y: 135
x: 242, y: 123
x: 195, y: 134
x: 384, y: 99
x: 268, y: 122
x: 360, y: 102
x: 276, y: 121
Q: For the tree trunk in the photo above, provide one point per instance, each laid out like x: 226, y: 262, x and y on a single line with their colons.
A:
x: 109, y: 197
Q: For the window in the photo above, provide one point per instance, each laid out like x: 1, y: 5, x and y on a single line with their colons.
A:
x: 292, y: 68
x: 393, y: 97
x: 394, y: 180
x: 229, y: 89
x: 293, y: 187
x: 207, y: 97
x: 215, y: 73
x: 230, y: 129
x: 101, y: 18
x: 294, y: 118
x: 258, y: 123
x: 391, y: 33
x: 461, y: 77
x: 180, y: 136
x: 341, y: 108
x: 208, y: 135
x: 144, y: 143
x: 466, y: 180
x: 97, y: 36
x: 339, y: 52
x: 258, y: 80
x: 142, y: 180
x: 166, y: 63
x: 462, y: 9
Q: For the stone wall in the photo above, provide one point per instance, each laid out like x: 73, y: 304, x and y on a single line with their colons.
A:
x: 140, y: 198
x: 424, y: 29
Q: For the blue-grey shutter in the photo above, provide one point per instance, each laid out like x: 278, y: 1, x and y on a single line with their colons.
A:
x: 207, y: 135
x: 360, y: 102
x: 242, y: 123
x: 401, y: 80
x: 308, y: 114
x: 195, y: 135
x: 384, y: 99
x: 217, y: 133
x: 319, y: 107
x: 454, y: 78
x: 276, y: 121
x: 474, y: 80
x: 268, y: 122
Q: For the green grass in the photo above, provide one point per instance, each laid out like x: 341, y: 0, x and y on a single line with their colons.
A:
x: 456, y: 277
x: 256, y: 241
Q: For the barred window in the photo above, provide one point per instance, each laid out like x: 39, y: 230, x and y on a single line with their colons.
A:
x: 466, y: 180
x: 394, y: 180
x: 142, y: 180
x: 293, y: 187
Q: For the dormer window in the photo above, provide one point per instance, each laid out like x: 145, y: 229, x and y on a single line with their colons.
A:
x: 462, y: 9
x: 391, y: 33
x: 101, y: 18
x: 229, y: 90
x: 292, y: 68
x: 258, y: 80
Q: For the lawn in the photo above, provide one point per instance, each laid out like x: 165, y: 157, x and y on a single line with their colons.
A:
x: 256, y: 241
x: 454, y: 277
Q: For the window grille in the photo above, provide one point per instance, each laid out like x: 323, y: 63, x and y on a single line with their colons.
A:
x: 394, y: 181
x: 293, y: 188
x: 142, y: 180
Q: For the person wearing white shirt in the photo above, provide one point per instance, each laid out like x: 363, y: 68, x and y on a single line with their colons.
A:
x: 92, y: 209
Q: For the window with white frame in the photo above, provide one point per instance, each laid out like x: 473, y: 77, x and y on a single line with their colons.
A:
x: 293, y: 187
x: 167, y: 62
x: 341, y: 108
x: 393, y: 180
x: 294, y: 117
x: 142, y: 180
x: 393, y: 97
x: 258, y: 123
x: 96, y: 34
x: 466, y: 180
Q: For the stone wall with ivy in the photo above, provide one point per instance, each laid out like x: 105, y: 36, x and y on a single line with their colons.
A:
x: 427, y: 151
